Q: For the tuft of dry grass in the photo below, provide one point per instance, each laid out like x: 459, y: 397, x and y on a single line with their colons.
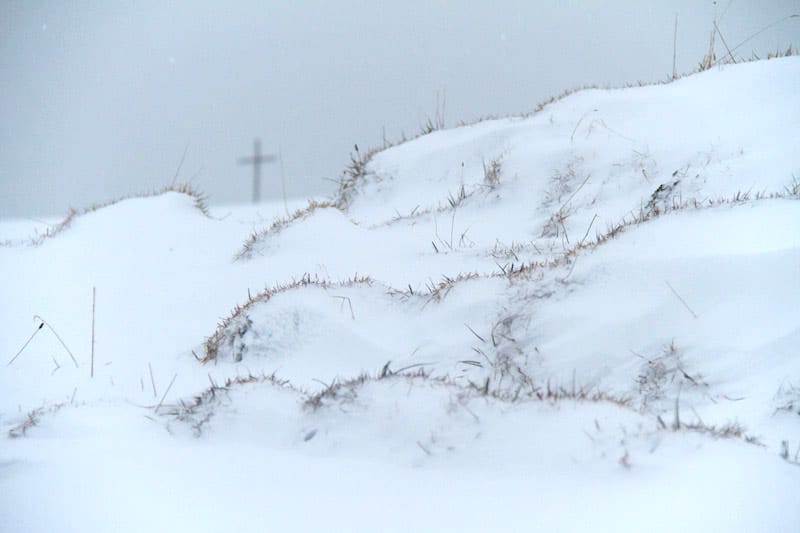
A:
x: 200, y: 202
x: 664, y: 369
x: 439, y: 290
x: 523, y: 270
x: 354, y: 175
x: 356, y: 171
x: 279, y: 224
x: 21, y: 429
x: 790, y: 192
x: 212, y: 344
x: 491, y: 172
x: 199, y: 410
x: 346, y: 391
x: 730, y: 430
x: 788, y: 397
x: 33, y: 418
x: 710, y: 58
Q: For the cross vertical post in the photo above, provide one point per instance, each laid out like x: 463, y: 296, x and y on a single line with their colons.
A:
x: 256, y: 160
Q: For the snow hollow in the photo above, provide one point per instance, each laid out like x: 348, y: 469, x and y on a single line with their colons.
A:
x: 584, y: 319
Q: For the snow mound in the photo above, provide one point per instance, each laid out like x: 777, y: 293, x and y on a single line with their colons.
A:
x: 593, y: 304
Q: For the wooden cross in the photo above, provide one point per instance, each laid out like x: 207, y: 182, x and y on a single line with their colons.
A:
x: 256, y: 161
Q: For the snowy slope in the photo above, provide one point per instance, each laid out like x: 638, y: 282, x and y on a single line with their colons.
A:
x: 585, y: 319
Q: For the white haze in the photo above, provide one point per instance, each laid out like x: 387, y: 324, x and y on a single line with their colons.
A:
x: 101, y: 99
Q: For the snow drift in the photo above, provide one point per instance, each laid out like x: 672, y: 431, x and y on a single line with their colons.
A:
x: 594, y: 305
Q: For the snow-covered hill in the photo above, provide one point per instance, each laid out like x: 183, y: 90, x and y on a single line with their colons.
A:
x: 584, y: 319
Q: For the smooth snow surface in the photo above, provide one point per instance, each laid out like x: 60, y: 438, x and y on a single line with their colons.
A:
x: 583, y: 320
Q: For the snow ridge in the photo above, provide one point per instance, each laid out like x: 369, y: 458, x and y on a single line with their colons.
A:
x: 595, y: 303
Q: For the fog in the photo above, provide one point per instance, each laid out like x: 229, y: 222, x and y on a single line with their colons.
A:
x: 102, y: 99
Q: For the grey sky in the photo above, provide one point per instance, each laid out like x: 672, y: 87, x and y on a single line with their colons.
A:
x: 100, y: 99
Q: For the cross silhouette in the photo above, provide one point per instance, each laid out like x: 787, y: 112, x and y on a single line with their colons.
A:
x: 256, y: 161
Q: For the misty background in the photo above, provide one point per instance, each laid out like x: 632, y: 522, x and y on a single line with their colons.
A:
x: 101, y: 99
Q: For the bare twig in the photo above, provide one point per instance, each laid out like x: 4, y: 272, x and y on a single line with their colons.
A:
x: 571, y: 196
x: 152, y: 380
x: 178, y: 170
x: 587, y: 230
x: 730, y: 54
x: 675, y: 49
x: 26, y: 344
x: 409, y: 367
x: 575, y: 259
x: 350, y: 303
x: 681, y: 299
x: 572, y: 137
x: 165, y: 393
x: 765, y: 28
x: 424, y: 449
x: 473, y: 332
x: 37, y: 317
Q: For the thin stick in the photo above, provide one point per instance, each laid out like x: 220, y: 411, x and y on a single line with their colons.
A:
x: 178, y: 170
x: 575, y: 259
x: 473, y: 332
x: 676, y: 424
x: 350, y: 303
x: 283, y: 181
x: 152, y: 380
x: 571, y: 196
x: 452, y: 225
x: 725, y: 43
x: 94, y: 292
x: 675, y: 49
x: 681, y: 299
x: 165, y: 393
x: 424, y: 449
x: 58, y: 337
x: 765, y: 28
x: 26, y: 343
x: 409, y: 367
x: 595, y: 217
x: 572, y: 137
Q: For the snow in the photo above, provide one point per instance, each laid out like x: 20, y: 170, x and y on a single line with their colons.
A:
x: 604, y: 338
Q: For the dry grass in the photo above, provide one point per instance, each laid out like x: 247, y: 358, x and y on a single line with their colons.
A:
x: 279, y: 224
x: 199, y: 410
x: 33, y: 418
x: 212, y: 344
x: 663, y: 370
x: 21, y: 429
x: 523, y: 270
x: 346, y: 391
x: 199, y: 202
x: 730, y: 430
x: 354, y: 175
x: 705, y: 64
x: 491, y: 172
x: 356, y: 172
x: 788, y: 398
x: 437, y: 291
x: 790, y: 192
